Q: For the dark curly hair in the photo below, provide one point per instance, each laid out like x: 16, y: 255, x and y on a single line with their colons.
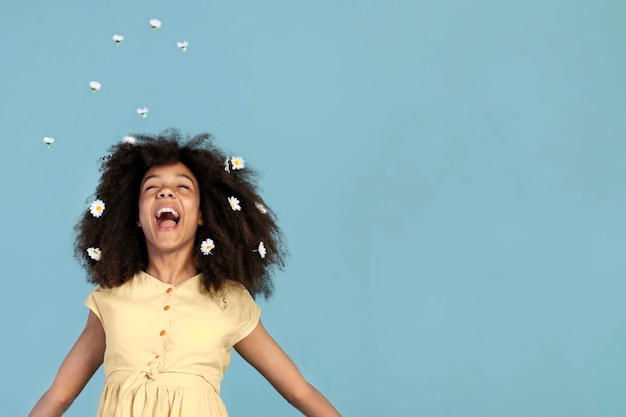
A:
x: 237, y: 234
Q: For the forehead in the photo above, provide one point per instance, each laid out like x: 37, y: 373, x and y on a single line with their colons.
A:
x: 171, y: 170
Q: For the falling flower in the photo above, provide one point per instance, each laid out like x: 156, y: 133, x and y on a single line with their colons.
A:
x: 207, y: 246
x: 261, y: 250
x: 237, y: 162
x: 227, y: 165
x: 118, y: 39
x: 95, y: 86
x: 234, y: 203
x: 96, y: 208
x: 155, y: 24
x: 260, y: 207
x: 182, y: 45
x: 94, y: 253
x: 143, y: 111
x: 129, y: 139
x: 48, y: 141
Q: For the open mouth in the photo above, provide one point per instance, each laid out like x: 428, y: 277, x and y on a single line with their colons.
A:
x: 167, y: 217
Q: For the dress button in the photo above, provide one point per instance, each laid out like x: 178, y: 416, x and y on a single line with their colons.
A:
x: 169, y: 290
x: 166, y: 308
x: 162, y: 333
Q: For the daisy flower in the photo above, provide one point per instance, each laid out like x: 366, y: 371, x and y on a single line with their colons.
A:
x: 96, y: 208
x: 143, y: 111
x: 129, y: 139
x: 261, y: 250
x: 94, y: 253
x: 237, y: 162
x: 234, y: 203
x: 260, y: 207
x: 227, y: 165
x: 155, y: 24
x: 182, y: 45
x: 118, y: 39
x: 48, y: 141
x: 95, y: 86
x: 207, y: 246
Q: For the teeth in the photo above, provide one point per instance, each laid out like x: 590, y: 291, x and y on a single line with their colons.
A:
x: 167, y: 210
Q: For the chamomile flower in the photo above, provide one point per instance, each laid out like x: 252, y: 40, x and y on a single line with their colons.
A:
x: 94, y: 253
x: 129, y: 139
x: 143, y: 112
x: 234, y: 203
x: 48, y: 141
x: 182, y: 45
x: 155, y: 24
x: 207, y: 246
x: 227, y: 165
x: 237, y: 162
x: 118, y: 39
x: 260, y: 207
x: 96, y: 208
x: 261, y: 250
x: 95, y: 86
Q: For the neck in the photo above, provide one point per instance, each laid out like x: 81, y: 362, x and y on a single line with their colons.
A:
x: 171, y: 268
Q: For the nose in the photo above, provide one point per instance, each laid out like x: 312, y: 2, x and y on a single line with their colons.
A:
x: 164, y: 194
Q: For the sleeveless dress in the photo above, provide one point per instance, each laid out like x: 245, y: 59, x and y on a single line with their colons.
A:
x: 167, y: 347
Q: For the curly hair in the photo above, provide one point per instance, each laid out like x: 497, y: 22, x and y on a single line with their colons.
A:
x: 237, y: 234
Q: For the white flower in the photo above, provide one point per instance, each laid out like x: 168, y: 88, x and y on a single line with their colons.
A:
x: 48, y: 141
x: 207, y: 246
x: 182, y: 45
x: 118, y: 39
x: 261, y: 250
x: 129, y: 139
x: 95, y: 86
x: 234, y: 203
x: 94, y: 253
x: 96, y: 208
x: 155, y: 24
x: 237, y: 162
x: 227, y: 165
x: 143, y: 111
x: 261, y: 208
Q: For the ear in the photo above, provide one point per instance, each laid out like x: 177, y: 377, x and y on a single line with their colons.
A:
x: 200, y: 221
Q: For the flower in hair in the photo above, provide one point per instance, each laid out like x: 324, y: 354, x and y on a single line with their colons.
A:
x: 48, y: 141
x: 260, y: 207
x: 234, y: 203
x: 94, y: 253
x: 96, y: 208
x: 118, y: 39
x: 261, y: 250
x: 155, y: 24
x: 95, y: 86
x: 227, y: 165
x: 207, y: 246
x: 143, y: 112
x: 182, y: 45
x: 129, y: 139
x: 237, y: 162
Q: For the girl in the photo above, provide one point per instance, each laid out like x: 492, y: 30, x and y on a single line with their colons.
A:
x: 178, y: 242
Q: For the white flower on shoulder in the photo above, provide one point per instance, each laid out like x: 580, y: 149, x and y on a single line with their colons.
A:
x: 234, y: 203
x: 207, y: 246
x: 95, y: 86
x: 94, y: 253
x: 155, y: 24
x: 182, y: 45
x: 118, y: 39
x: 48, y: 141
x: 237, y: 162
x: 96, y: 208
x: 143, y: 112
x: 260, y: 207
x: 261, y: 250
x: 129, y: 139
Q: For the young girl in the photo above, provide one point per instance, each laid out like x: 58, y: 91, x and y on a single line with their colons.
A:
x: 178, y: 242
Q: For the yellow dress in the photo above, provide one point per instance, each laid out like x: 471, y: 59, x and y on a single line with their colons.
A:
x: 167, y: 347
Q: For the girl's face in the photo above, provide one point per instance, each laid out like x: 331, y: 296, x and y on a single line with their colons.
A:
x: 169, y: 209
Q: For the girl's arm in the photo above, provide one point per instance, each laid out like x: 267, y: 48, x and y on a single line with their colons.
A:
x: 267, y: 357
x: 78, y: 367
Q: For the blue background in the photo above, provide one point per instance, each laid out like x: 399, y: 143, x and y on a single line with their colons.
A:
x: 449, y: 176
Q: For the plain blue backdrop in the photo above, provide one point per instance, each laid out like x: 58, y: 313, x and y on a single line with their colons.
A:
x: 450, y: 177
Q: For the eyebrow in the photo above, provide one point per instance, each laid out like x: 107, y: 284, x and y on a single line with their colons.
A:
x: 178, y: 175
